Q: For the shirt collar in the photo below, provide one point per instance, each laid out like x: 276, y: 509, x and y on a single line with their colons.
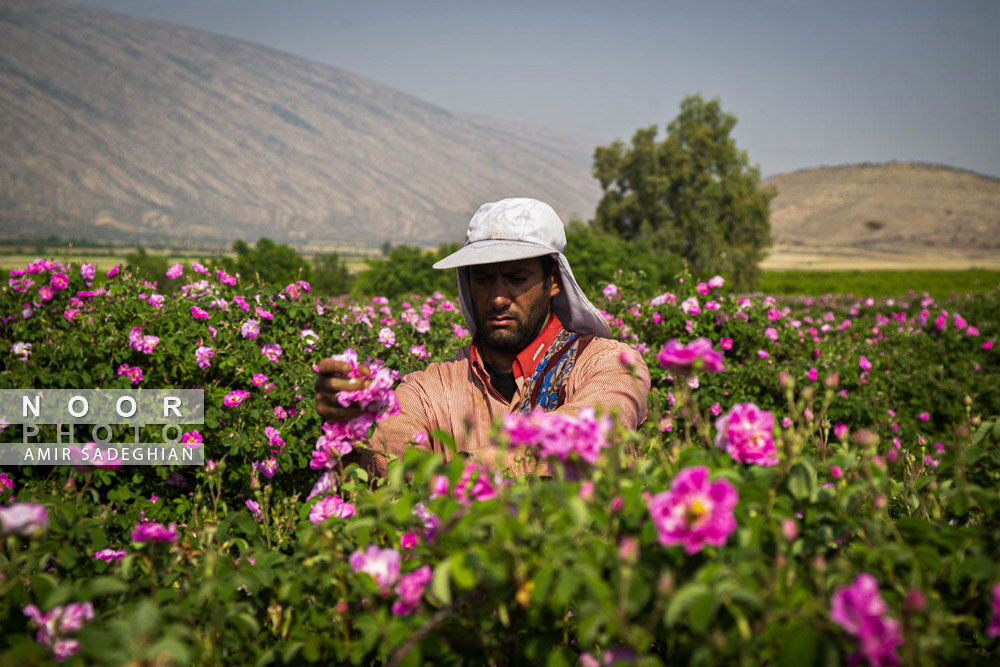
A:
x: 527, y: 361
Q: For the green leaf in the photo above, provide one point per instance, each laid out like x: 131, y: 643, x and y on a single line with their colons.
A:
x: 461, y: 572
x: 702, y: 611
x: 799, y: 646
x: 802, y: 482
x: 440, y: 585
x: 736, y: 592
x: 682, y: 600
x: 105, y: 586
x: 982, y: 432
x: 43, y: 585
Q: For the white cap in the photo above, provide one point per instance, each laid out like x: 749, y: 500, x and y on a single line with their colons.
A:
x: 520, y: 228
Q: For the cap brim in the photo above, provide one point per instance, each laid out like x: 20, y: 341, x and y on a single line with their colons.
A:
x: 490, y: 252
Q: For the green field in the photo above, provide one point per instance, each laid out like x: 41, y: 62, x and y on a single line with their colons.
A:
x: 880, y: 283
x: 874, y: 283
x: 104, y: 259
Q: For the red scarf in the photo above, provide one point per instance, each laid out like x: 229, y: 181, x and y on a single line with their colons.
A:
x: 527, y: 361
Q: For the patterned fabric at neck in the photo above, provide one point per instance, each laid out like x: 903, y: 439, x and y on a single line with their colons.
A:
x: 547, y: 388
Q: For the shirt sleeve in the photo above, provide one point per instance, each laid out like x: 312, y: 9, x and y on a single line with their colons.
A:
x: 604, y: 381
x: 394, y: 435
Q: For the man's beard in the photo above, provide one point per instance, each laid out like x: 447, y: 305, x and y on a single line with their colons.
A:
x: 513, y: 340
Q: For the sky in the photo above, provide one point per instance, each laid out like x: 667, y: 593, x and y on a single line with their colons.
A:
x: 812, y: 83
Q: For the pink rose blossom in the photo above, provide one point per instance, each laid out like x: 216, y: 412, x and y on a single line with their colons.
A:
x: 726, y: 343
x: 225, y: 278
x: 864, y: 363
x: 154, y: 532
x: 330, y: 506
x: 698, y: 355
x: 191, y: 439
x: 110, y: 555
x: 272, y: 351
x: 21, y: 350
x: 994, y: 627
x: 410, y: 590
x: 235, y: 397
x: 695, y: 511
x: 52, y: 626
x: 439, y: 486
x: 408, y: 541
x: 691, y: 306
x: 250, y: 329
x: 25, y: 519
x: 203, y: 356
x: 326, y: 484
x: 267, y: 467
x: 746, y: 433
x: 175, y: 271
x: 381, y: 564
x: 59, y: 281
x: 199, y: 313
x: 254, y: 508
x: 474, y: 485
x: 860, y: 610
x: 560, y: 435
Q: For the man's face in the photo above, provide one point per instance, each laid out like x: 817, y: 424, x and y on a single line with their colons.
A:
x: 510, y: 302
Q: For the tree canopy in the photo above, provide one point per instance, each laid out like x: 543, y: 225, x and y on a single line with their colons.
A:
x: 693, y: 194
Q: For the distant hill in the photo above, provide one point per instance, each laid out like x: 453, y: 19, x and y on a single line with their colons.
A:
x: 897, y: 207
x: 122, y: 128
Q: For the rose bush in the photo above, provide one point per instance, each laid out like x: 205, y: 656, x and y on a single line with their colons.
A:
x: 817, y: 481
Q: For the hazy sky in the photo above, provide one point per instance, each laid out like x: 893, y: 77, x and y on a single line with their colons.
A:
x: 817, y: 82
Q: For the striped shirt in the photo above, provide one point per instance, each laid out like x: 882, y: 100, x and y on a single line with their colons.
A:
x: 456, y: 397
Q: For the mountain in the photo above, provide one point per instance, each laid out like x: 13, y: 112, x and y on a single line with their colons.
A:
x: 116, y: 127
x: 897, y: 207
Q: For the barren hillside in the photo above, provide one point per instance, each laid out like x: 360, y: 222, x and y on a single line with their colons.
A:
x: 897, y: 208
x: 117, y: 127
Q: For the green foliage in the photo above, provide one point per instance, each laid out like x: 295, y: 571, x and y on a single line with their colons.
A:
x: 330, y: 275
x: 549, y: 569
x: 146, y: 266
x: 268, y: 262
x: 938, y: 284
x: 598, y: 258
x: 694, y: 194
x: 407, y: 270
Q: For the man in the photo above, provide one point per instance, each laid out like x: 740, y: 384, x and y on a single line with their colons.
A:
x: 537, y: 342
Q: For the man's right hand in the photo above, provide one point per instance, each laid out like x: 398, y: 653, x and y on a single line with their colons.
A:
x: 333, y: 380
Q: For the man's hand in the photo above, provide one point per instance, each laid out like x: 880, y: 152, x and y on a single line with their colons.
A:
x: 333, y: 380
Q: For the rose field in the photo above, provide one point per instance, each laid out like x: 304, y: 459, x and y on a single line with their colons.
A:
x: 817, y: 482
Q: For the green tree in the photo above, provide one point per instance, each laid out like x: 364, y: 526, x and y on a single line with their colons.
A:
x: 269, y: 262
x: 694, y: 194
x: 330, y: 274
x: 596, y: 258
x: 407, y: 270
x: 146, y: 266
